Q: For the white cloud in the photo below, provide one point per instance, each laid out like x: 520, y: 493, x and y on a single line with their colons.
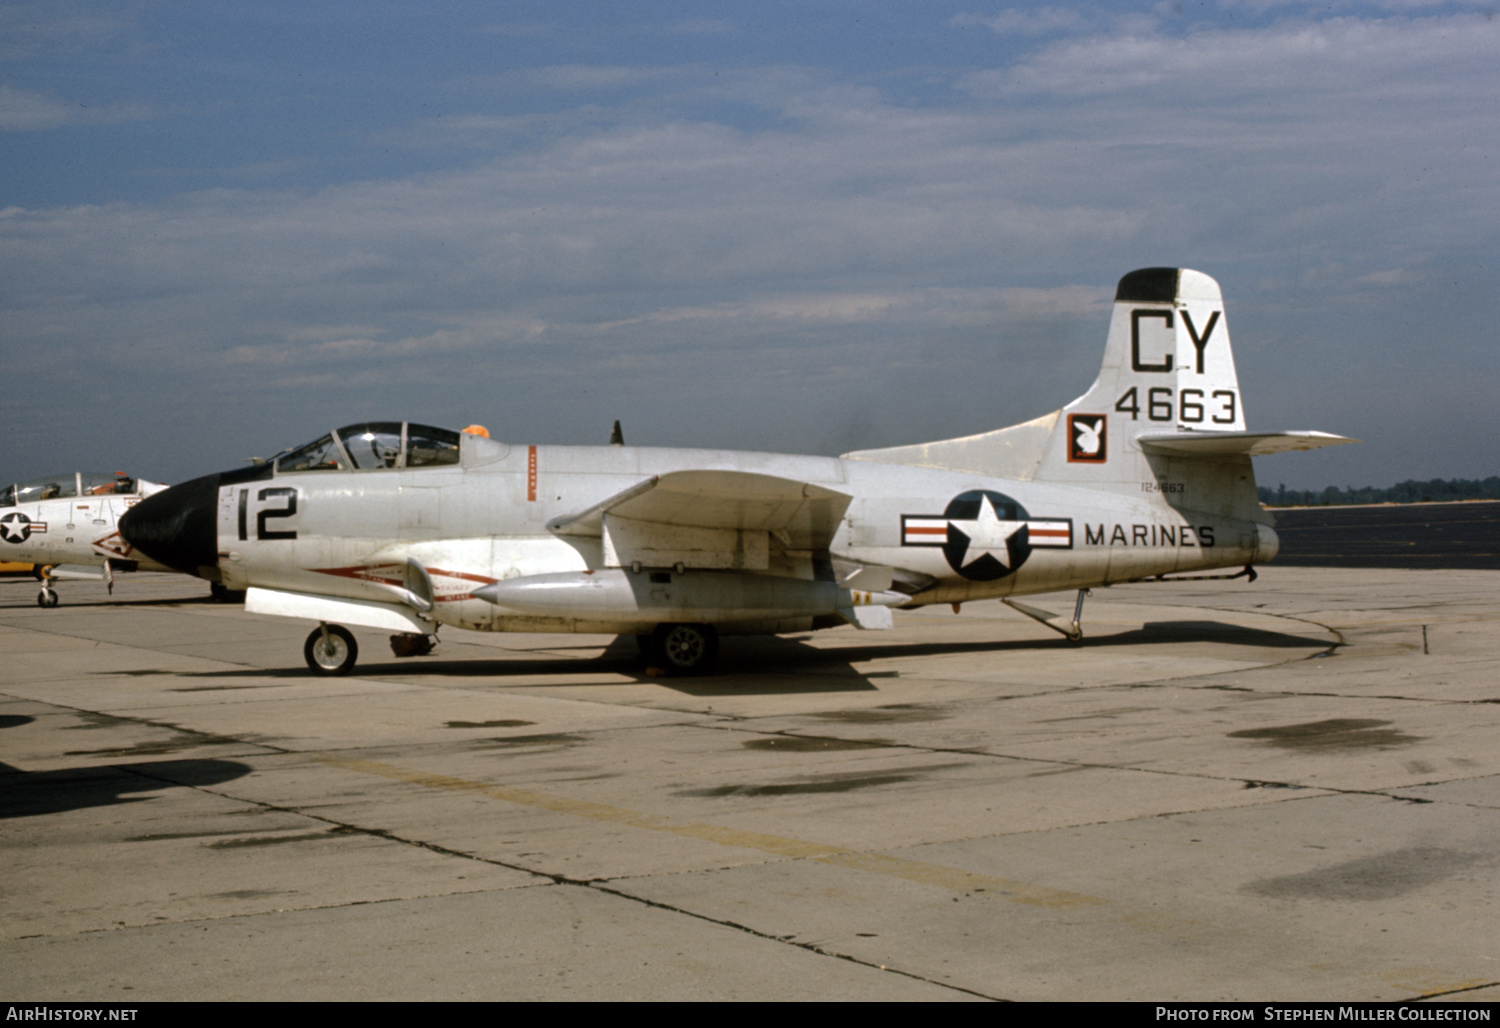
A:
x: 31, y: 27
x: 1028, y: 22
x: 1285, y: 59
x: 702, y: 27
x: 22, y: 110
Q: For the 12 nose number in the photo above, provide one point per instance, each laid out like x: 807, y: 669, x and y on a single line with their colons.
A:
x: 263, y: 528
x: 1190, y: 406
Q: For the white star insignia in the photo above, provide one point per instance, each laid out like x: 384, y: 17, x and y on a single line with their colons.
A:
x: 14, y: 529
x: 987, y: 534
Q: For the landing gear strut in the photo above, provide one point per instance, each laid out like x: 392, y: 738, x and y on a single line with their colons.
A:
x: 1072, y: 629
x: 330, y: 650
x: 48, y: 596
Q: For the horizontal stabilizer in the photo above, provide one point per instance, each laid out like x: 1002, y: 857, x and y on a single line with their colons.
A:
x: 1251, y: 444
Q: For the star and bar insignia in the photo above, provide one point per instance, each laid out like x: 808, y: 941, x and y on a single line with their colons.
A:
x: 986, y: 535
x: 17, y: 527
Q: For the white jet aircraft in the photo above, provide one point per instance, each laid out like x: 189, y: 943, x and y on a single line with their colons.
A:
x: 67, y: 525
x: 403, y: 527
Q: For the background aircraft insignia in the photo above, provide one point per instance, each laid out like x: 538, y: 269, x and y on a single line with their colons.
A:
x: 17, y: 527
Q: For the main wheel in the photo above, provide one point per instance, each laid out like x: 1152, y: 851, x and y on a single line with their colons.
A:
x: 335, y: 656
x: 412, y: 644
x: 687, y: 649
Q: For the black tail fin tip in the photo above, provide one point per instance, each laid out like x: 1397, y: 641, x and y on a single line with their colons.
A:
x: 1148, y: 285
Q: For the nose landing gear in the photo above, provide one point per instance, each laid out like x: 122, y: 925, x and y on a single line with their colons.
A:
x: 330, y: 650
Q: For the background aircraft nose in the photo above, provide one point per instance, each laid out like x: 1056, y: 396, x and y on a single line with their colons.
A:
x: 178, y: 527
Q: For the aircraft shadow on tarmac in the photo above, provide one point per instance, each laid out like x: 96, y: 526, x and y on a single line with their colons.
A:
x: 71, y: 600
x: 770, y: 665
x: 33, y: 793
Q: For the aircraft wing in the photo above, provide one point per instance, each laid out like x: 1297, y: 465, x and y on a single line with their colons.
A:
x: 1252, y: 444
x: 689, y: 508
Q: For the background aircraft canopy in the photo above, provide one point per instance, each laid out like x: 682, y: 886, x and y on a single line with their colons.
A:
x: 375, y: 445
x: 72, y: 483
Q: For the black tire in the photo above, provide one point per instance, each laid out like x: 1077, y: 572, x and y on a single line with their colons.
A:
x: 226, y: 595
x: 337, y: 657
x: 412, y: 644
x: 46, y: 598
x: 686, y: 649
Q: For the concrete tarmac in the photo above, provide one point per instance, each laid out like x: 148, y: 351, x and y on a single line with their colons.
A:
x: 1282, y: 790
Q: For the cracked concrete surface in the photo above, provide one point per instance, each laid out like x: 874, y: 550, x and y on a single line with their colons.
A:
x: 1277, y: 790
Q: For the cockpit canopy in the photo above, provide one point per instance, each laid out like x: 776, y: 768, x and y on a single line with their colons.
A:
x: 72, y: 483
x: 374, y: 445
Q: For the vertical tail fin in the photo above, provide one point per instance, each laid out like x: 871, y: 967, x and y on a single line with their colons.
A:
x: 1166, y: 407
x: 1167, y: 367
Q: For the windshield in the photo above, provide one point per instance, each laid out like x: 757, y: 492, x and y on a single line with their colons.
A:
x: 373, y: 446
x: 50, y: 488
x: 322, y: 455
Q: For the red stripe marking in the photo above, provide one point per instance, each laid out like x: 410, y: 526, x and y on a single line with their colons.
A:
x: 1051, y: 533
x: 928, y: 531
x: 531, y: 474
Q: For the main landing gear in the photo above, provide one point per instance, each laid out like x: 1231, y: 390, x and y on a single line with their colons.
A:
x: 412, y: 644
x: 224, y: 595
x: 1072, y: 629
x: 681, y: 649
x: 330, y: 650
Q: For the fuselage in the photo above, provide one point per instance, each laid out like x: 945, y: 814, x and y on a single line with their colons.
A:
x: 485, y: 518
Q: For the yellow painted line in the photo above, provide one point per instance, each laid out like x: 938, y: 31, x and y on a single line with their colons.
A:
x: 952, y: 878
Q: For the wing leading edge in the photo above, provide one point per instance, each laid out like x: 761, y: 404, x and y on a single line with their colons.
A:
x: 709, y: 519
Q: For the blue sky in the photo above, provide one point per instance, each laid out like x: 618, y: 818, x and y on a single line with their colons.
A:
x: 801, y: 227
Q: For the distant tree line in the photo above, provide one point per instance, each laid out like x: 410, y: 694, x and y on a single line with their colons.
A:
x: 1436, y: 491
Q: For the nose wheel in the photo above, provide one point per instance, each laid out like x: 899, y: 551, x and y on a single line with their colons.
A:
x: 330, y: 650
x: 47, y: 597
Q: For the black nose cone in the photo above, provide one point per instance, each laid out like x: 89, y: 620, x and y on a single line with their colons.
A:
x: 178, y: 527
